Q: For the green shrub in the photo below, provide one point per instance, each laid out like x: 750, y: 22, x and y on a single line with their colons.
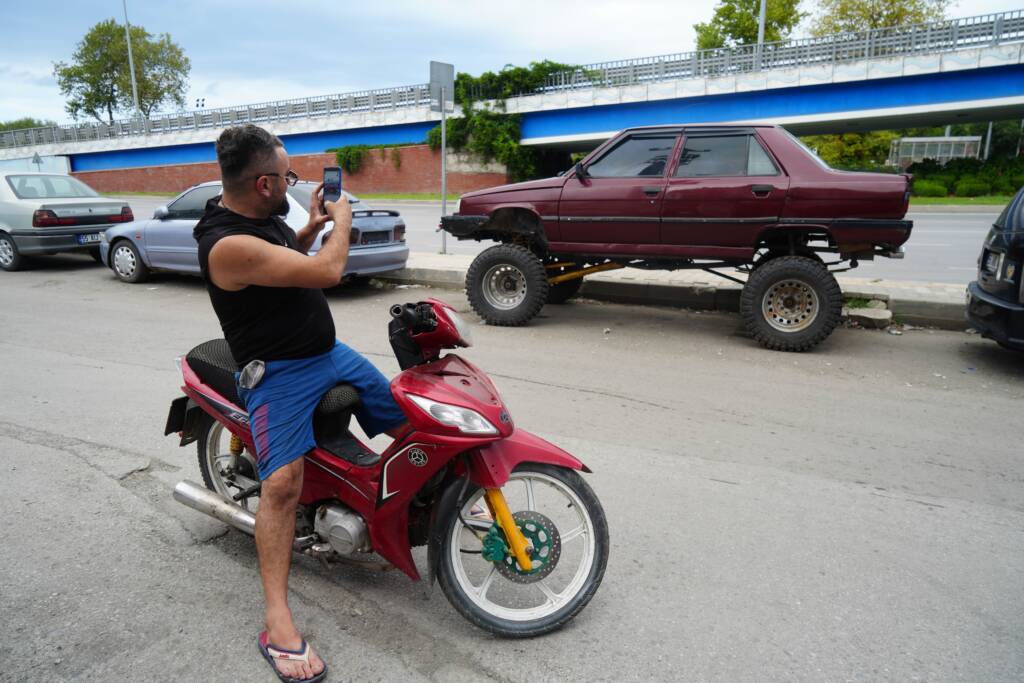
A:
x: 1017, y: 181
x: 947, y: 179
x: 1002, y: 185
x: 972, y: 187
x: 350, y: 158
x: 929, y: 188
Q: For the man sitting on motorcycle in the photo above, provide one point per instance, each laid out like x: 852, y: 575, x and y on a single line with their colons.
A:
x: 267, y: 294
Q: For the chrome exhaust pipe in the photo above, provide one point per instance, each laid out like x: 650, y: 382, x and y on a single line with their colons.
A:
x: 209, y: 503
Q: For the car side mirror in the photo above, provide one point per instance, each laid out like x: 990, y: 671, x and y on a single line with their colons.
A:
x: 581, y: 172
x: 161, y: 213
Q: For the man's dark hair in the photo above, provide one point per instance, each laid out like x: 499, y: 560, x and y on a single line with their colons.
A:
x: 243, y: 150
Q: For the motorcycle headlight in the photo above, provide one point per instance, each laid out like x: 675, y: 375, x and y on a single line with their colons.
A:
x: 462, y: 327
x: 467, y: 421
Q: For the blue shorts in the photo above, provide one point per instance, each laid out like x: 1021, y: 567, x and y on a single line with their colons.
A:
x: 281, y: 406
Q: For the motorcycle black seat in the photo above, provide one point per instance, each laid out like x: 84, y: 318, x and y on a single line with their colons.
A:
x: 215, y: 366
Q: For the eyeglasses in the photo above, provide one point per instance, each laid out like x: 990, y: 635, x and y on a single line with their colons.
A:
x: 291, y: 177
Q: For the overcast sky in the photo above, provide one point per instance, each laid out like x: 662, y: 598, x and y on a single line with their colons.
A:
x: 247, y: 51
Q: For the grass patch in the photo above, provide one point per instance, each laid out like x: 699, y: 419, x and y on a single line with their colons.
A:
x: 425, y: 196
x: 987, y: 200
x: 856, y: 302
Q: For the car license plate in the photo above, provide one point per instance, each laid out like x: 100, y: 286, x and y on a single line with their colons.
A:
x: 89, y: 239
x: 375, y: 237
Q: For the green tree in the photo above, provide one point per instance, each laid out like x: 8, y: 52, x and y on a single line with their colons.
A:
x: 97, y: 81
x: 848, y: 16
x: 853, y: 150
x: 26, y: 122
x: 735, y: 23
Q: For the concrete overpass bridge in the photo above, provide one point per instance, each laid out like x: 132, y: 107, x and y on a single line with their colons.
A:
x: 969, y: 69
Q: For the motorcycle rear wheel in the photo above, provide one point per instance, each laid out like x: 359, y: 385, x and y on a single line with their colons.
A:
x: 223, y: 473
x: 498, y: 597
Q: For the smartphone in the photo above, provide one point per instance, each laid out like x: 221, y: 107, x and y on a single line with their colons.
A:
x: 332, y: 184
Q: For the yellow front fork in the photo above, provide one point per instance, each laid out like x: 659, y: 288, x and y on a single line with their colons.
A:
x: 499, y: 510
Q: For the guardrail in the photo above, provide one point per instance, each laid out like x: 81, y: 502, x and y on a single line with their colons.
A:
x: 284, y: 110
x: 940, y: 36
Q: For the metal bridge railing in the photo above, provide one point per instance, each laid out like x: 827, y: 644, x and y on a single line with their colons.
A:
x: 940, y: 36
x: 283, y: 110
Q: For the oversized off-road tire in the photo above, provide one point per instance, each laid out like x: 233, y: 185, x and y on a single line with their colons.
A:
x: 10, y: 258
x: 507, y: 285
x: 565, y: 523
x: 791, y: 303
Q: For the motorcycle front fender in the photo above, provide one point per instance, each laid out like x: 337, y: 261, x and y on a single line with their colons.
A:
x: 492, y: 464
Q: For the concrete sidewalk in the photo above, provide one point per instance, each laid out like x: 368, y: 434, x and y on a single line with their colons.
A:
x: 919, y: 303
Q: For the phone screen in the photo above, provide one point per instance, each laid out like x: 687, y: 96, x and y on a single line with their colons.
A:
x: 332, y: 178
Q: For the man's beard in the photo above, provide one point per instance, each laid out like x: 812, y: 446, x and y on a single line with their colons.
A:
x: 282, y: 208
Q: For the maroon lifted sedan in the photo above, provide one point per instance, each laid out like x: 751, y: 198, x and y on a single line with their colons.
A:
x: 751, y: 197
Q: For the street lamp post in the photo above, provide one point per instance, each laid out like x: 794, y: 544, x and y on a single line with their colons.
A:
x: 760, y: 33
x: 131, y: 62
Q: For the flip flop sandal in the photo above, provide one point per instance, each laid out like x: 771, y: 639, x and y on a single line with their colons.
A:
x: 273, y: 654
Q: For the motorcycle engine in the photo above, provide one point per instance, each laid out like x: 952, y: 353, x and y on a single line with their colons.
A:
x: 342, y: 528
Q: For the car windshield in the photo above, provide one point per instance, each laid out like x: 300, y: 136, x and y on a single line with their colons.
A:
x: 49, y: 187
x: 810, y: 152
x: 302, y: 192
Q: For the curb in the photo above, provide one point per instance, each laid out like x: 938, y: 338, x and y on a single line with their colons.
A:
x: 947, y: 315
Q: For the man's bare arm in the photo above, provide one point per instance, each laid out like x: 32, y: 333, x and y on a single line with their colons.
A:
x: 238, y: 261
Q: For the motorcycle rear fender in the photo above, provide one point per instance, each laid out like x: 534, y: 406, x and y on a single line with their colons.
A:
x: 183, y: 419
x: 492, y: 464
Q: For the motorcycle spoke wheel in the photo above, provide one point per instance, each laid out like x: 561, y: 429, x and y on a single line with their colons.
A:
x: 223, y: 472
x: 561, y: 518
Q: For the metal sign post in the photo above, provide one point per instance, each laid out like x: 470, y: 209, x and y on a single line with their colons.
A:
x: 442, y: 87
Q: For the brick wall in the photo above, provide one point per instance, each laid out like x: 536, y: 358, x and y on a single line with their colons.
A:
x: 419, y: 172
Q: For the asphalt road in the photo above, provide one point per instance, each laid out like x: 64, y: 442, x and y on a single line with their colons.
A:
x: 852, y: 514
x: 943, y: 247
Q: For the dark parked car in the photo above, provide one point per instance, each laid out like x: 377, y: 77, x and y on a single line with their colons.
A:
x: 165, y: 242
x: 995, y: 301
x: 751, y: 197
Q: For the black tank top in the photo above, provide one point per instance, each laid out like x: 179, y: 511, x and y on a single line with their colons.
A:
x: 268, y: 323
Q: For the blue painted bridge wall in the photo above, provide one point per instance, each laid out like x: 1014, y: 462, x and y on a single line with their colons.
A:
x: 905, y: 91
x: 302, y: 143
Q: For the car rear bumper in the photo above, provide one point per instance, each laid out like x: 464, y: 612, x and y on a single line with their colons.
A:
x: 43, y: 241
x: 367, y: 261
x: 995, y: 318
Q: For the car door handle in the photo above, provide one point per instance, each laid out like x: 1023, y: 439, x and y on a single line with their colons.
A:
x: 761, y: 190
x: 652, y: 189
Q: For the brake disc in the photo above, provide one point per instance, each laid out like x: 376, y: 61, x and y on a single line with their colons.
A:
x: 541, y: 534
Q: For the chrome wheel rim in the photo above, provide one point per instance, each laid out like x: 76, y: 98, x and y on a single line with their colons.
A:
x: 790, y: 305
x: 504, y: 286
x: 124, y: 261
x: 484, y: 584
x: 6, y: 251
x: 223, y: 467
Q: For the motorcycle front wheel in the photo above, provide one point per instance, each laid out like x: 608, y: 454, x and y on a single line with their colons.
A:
x: 564, y: 524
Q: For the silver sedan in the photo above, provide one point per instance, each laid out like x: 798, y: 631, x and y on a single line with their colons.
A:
x: 165, y: 242
x: 47, y: 213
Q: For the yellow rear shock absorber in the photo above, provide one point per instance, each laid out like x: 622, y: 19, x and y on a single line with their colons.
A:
x: 499, y: 508
x: 236, y: 445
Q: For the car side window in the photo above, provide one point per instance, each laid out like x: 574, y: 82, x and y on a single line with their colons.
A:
x: 635, y: 157
x: 192, y: 204
x: 724, y: 156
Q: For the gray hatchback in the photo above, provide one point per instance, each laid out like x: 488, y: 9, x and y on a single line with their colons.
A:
x: 165, y: 241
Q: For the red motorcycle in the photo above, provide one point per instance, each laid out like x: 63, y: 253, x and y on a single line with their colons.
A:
x: 516, y: 538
